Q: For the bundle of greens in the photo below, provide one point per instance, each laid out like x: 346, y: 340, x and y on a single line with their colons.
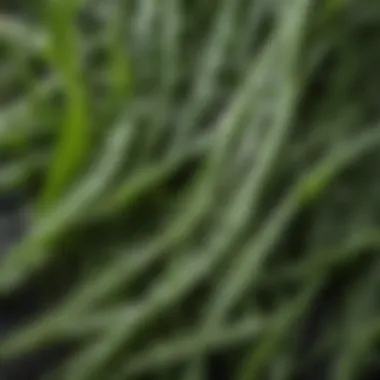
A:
x: 199, y: 180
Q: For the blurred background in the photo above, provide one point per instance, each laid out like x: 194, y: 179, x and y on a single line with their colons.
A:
x: 189, y: 189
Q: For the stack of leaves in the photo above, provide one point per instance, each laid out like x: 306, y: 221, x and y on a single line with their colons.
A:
x: 199, y: 180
